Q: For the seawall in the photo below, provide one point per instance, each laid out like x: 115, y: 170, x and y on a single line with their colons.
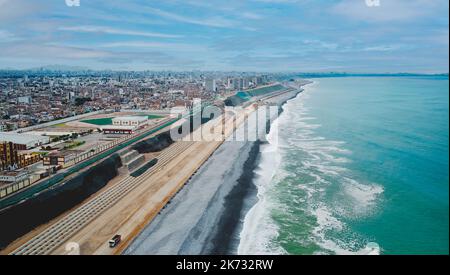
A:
x: 207, y: 214
x: 21, y: 218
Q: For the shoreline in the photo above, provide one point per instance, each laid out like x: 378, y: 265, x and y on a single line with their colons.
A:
x: 207, y: 216
x: 186, y: 225
x: 243, y: 197
x: 256, y: 165
x: 252, y: 199
x: 240, y: 200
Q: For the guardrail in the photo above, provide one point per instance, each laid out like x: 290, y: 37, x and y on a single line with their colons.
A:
x: 14, y: 187
x: 85, y: 159
x: 55, y: 122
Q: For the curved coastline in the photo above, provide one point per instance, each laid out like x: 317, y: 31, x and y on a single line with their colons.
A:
x: 255, y: 199
x: 207, y: 215
x: 245, y: 192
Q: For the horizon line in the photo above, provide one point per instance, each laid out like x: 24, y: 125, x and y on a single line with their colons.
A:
x: 75, y: 69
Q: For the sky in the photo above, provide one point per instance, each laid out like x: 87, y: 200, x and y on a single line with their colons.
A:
x: 361, y: 36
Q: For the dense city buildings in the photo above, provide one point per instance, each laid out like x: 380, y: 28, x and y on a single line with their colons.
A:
x: 52, y: 120
x: 33, y: 97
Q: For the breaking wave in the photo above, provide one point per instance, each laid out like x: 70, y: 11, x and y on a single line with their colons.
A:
x: 306, y: 193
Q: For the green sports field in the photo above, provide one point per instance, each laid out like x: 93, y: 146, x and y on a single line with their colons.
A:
x: 99, y: 121
x: 153, y: 116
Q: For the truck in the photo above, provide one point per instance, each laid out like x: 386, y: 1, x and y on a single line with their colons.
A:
x: 115, y: 241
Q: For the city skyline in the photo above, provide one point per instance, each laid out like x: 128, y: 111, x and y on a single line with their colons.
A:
x: 251, y: 35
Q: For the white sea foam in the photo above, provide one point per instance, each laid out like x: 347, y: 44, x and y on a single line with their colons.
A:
x: 364, y: 194
x: 322, y: 160
x: 361, y: 198
x: 258, y: 229
x: 328, y: 222
x: 325, y: 157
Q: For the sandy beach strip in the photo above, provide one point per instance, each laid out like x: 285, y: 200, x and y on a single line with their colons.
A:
x: 187, y: 224
x: 206, y: 216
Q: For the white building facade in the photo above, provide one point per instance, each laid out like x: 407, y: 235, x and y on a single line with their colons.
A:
x: 130, y: 121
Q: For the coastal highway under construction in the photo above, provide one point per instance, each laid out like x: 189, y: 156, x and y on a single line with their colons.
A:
x: 124, y: 208
x: 129, y: 204
x: 100, y: 153
x: 60, y: 232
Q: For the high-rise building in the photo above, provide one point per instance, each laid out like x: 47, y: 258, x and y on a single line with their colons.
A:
x: 71, y: 96
x: 237, y: 83
x: 230, y: 84
x: 241, y: 84
x: 245, y: 83
x: 210, y: 85
x: 258, y: 80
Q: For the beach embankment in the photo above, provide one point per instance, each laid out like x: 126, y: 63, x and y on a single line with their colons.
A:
x: 21, y: 218
x: 207, y: 214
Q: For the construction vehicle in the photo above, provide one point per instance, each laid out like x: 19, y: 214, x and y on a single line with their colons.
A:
x: 115, y: 241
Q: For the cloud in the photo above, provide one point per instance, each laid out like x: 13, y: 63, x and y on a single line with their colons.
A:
x: 251, y: 15
x: 48, y: 54
x: 398, y: 10
x: 12, y: 10
x: 215, y: 21
x: 234, y: 34
x: 151, y: 59
x: 109, y: 30
x: 6, y: 36
x: 383, y: 48
x: 180, y: 47
x: 42, y: 51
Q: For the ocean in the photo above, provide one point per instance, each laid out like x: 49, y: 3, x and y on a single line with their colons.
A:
x: 355, y: 165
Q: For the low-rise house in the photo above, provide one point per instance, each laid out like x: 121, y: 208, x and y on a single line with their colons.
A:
x: 64, y: 158
x: 7, y: 177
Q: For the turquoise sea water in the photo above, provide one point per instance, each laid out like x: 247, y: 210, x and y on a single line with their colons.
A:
x: 356, y: 162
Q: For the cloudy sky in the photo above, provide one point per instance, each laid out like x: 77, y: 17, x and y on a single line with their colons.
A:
x: 242, y: 35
